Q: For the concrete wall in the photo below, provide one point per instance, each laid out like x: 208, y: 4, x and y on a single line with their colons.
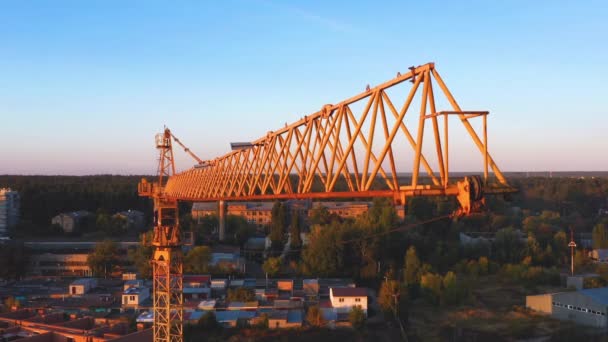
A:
x: 540, y: 303
x: 575, y: 282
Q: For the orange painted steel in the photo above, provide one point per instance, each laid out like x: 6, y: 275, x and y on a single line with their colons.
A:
x: 335, y: 153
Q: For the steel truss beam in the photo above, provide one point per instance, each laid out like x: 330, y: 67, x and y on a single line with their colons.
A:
x: 309, y: 158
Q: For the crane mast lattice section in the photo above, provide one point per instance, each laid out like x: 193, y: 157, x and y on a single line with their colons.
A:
x: 167, y: 258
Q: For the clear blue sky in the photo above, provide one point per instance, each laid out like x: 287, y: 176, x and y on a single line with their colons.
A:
x: 84, y: 85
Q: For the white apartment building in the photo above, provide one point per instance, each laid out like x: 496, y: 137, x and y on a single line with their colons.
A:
x: 9, y: 210
x: 343, y: 299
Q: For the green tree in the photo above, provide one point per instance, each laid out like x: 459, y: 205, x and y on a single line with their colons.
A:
x: 197, y: 260
x: 581, y: 260
x: 209, y: 322
x: 484, y: 265
x: 531, y: 223
x: 600, y: 236
x: 294, y: 232
x: 560, y: 246
x: 356, y: 317
x: 315, y: 317
x: 204, y: 227
x: 320, y: 215
x: 13, y: 260
x: 454, y: 291
x: 240, y: 294
x: 140, y: 257
x: 278, y: 225
x: 272, y: 266
x: 104, y: 258
x: 324, y: 254
x: 507, y: 245
x: 412, y: 267
x: 431, y: 284
x: 389, y: 296
x: 532, y: 248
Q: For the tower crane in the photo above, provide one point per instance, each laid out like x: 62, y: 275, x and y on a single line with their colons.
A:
x: 332, y: 153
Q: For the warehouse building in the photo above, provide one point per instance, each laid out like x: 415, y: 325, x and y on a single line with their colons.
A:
x: 587, y: 307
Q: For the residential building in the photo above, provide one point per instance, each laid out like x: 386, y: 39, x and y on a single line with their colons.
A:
x: 345, y: 298
x: 135, y: 219
x: 227, y: 257
x: 599, y: 255
x: 311, y: 289
x: 345, y: 209
x: 258, y: 213
x: 207, y: 305
x: 219, y: 284
x: 132, y: 283
x: 285, y: 319
x: 202, y: 209
x: 196, y: 287
x: 9, y: 210
x: 232, y: 319
x: 129, y: 276
x: 245, y: 306
x: 584, y: 239
x: 72, y: 221
x: 587, y: 307
x: 133, y: 297
x: 82, y: 286
x: 254, y: 248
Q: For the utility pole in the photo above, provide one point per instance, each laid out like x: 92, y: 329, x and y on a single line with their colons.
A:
x: 572, y: 246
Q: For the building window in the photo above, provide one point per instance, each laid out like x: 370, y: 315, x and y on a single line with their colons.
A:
x: 132, y: 298
x: 341, y: 300
x: 357, y: 299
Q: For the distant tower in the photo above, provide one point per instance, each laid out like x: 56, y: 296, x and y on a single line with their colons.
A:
x: 572, y: 246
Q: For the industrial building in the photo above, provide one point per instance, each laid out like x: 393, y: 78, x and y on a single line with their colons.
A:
x: 587, y: 307
x: 260, y: 213
x: 65, y: 258
x: 9, y: 210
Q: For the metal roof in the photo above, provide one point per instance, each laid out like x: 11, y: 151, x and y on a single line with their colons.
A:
x: 599, y: 294
x: 226, y: 316
x: 349, y: 291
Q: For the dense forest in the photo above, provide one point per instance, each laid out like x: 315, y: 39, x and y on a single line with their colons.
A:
x: 42, y: 197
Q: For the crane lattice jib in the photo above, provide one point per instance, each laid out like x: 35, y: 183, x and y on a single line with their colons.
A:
x: 341, y: 152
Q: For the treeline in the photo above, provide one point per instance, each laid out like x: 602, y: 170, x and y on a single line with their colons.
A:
x: 566, y: 195
x: 43, y: 197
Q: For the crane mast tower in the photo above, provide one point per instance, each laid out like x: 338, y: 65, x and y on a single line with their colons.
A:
x: 167, y: 259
